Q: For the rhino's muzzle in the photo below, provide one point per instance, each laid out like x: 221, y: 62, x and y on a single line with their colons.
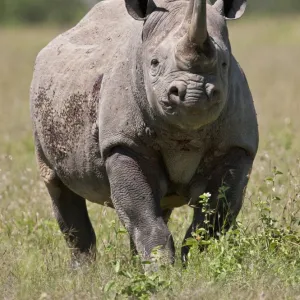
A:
x: 192, y: 94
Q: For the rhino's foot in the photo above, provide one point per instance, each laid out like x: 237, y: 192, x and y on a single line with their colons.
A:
x: 159, y: 258
x: 166, y: 214
x: 81, y: 260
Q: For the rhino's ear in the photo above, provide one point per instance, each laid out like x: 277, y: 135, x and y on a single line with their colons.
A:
x: 231, y: 9
x: 139, y: 9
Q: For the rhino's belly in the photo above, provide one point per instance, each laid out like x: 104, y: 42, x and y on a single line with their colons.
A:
x: 93, y: 191
x: 173, y: 201
x: 87, y: 178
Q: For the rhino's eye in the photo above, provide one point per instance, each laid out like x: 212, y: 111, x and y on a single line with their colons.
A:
x: 154, y: 62
x: 224, y: 65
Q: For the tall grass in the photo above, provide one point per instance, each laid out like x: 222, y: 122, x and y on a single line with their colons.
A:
x: 259, y: 259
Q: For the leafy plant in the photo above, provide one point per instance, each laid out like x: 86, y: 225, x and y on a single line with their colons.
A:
x: 233, y: 252
x: 138, y: 284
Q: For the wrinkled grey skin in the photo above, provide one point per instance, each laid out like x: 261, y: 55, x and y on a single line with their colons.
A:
x: 143, y: 116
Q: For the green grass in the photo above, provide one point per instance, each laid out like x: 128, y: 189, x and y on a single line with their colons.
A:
x: 260, y: 259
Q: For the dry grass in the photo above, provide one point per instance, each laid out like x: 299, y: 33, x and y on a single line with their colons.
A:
x: 33, y: 255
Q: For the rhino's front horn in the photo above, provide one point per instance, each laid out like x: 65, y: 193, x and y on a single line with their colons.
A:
x: 197, y: 30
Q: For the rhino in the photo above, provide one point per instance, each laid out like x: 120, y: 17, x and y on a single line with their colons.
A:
x: 143, y: 108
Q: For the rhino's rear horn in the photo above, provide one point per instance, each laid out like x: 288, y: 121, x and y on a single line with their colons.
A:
x: 198, y: 28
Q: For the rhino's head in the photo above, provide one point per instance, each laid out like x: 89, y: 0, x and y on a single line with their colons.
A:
x: 186, y: 57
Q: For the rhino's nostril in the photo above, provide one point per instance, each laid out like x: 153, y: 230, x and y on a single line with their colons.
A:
x: 177, y: 91
x: 174, y: 91
x: 214, y: 94
x: 212, y: 91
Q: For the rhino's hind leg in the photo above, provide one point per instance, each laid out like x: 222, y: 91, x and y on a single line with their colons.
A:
x: 71, y: 213
x: 226, y: 186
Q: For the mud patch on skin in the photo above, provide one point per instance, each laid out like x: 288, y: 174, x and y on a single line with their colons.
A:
x: 63, y: 128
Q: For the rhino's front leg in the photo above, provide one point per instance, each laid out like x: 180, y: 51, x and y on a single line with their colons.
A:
x: 226, y: 185
x: 137, y: 185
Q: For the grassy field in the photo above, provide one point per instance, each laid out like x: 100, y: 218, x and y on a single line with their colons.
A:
x: 258, y: 260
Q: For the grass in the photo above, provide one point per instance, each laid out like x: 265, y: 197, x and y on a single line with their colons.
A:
x: 260, y: 259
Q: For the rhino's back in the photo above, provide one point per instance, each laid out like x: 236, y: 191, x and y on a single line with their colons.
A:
x: 65, y: 93
x: 94, y: 46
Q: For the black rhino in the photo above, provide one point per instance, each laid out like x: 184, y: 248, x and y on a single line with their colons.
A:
x: 142, y: 107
